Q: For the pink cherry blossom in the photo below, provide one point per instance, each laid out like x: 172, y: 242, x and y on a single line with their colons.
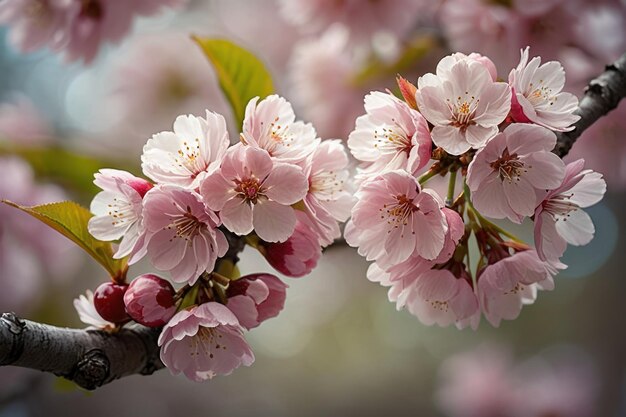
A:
x: 361, y: 18
x: 255, y: 298
x: 298, y: 255
x: 271, y: 125
x: 251, y: 191
x: 149, y: 300
x: 118, y: 209
x: 181, y: 234
x: 391, y: 135
x: 463, y: 103
x: 434, y: 296
x: 508, y: 284
x: 22, y: 124
x: 35, y: 23
x: 323, y: 93
x: 560, y: 220
x: 477, y: 383
x: 189, y: 154
x: 328, y: 200
x: 537, y: 95
x: 87, y: 312
x: 394, y: 218
x: 505, y: 175
x: 140, y: 102
x: 94, y: 22
x: 203, y: 342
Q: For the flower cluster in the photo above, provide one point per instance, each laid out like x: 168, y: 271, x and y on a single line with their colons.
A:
x: 76, y: 27
x: 499, y: 137
x: 281, y: 190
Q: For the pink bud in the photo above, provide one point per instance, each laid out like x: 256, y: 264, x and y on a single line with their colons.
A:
x: 298, y: 255
x: 140, y: 185
x: 149, y: 300
x: 255, y: 298
x: 485, y: 62
x: 109, y: 303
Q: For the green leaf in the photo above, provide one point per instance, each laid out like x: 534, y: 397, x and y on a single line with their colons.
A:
x: 241, y: 75
x: 70, y: 219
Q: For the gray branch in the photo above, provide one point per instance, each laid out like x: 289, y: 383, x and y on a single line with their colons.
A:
x: 602, y: 95
x: 90, y: 358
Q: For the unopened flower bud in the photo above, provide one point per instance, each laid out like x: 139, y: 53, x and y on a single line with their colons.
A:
x: 149, y: 300
x: 298, y: 255
x: 255, y: 298
x: 109, y: 302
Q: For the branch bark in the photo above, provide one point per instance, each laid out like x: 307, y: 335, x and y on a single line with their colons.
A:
x: 602, y: 95
x: 92, y: 358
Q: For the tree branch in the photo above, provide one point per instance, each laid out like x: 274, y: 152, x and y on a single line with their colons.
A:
x: 602, y: 95
x: 90, y: 358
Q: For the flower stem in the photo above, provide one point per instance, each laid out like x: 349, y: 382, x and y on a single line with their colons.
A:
x: 427, y: 175
x: 451, y: 186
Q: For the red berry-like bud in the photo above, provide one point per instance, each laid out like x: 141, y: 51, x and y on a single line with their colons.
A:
x: 109, y: 302
x: 298, y: 255
x: 150, y: 300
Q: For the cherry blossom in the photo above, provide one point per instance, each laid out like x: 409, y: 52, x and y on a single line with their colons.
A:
x: 35, y: 23
x: 323, y: 93
x: 508, y: 284
x: 87, y: 313
x: 505, y: 175
x: 271, y: 125
x: 181, y: 234
x: 255, y: 298
x: 391, y: 135
x: 434, y: 296
x: 149, y: 300
x: 329, y: 199
x: 395, y: 218
x: 463, y: 103
x: 22, y: 124
x: 559, y: 219
x: 189, y: 154
x: 362, y: 19
x: 298, y: 255
x: 203, y: 342
x: 537, y: 95
x: 251, y: 191
x: 118, y: 209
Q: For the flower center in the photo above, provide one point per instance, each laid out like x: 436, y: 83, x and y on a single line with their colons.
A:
x: 325, y: 185
x: 560, y: 206
x: 249, y: 189
x: 540, y: 94
x: 392, y: 139
x: 204, y: 342
x: 187, y: 226
x: 398, y: 212
x: 121, y: 211
x: 509, y: 167
x: 189, y: 158
x: 463, y: 110
x: 276, y: 136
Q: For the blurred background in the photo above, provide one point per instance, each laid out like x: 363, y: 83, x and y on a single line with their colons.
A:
x: 339, y: 348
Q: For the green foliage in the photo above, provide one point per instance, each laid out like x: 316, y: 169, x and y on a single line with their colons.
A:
x: 70, y: 219
x: 241, y: 74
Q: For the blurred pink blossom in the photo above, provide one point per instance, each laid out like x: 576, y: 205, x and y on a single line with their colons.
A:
x: 22, y: 124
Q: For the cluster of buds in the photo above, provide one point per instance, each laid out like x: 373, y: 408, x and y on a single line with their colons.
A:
x: 280, y: 189
x: 499, y: 137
